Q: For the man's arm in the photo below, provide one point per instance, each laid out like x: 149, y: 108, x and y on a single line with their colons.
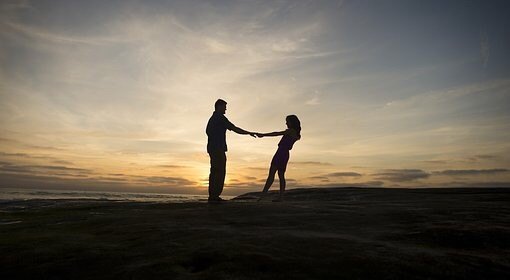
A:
x: 231, y: 126
x: 242, y: 131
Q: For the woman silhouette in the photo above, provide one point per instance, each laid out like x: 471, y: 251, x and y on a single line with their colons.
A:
x: 281, y: 157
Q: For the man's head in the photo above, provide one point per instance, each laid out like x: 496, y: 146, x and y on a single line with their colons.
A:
x: 220, y: 106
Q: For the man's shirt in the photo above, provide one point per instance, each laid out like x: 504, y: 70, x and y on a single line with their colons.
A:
x: 216, y: 132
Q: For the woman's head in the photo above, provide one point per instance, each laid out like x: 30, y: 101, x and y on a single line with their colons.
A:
x: 294, y: 123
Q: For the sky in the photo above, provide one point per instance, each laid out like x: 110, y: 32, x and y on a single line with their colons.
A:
x: 116, y: 95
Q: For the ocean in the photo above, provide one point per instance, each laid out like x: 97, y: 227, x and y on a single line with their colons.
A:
x: 12, y: 194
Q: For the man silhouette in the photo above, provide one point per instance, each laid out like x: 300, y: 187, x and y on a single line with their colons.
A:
x: 217, y: 146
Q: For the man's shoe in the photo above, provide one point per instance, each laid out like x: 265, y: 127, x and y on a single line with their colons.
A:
x: 215, y: 199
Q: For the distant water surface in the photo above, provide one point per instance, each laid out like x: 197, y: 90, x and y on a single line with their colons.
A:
x: 11, y: 194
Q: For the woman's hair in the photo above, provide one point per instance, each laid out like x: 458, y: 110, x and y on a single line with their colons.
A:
x: 295, y: 124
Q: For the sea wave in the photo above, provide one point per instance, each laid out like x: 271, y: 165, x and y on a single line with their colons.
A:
x: 10, y: 194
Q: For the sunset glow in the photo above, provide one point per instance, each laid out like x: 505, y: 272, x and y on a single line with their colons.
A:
x: 116, y: 95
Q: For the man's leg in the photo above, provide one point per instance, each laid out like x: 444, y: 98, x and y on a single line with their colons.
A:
x: 222, y: 168
x: 212, y: 175
x: 217, y: 175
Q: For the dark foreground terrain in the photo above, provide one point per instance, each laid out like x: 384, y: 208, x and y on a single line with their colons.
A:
x: 339, y: 233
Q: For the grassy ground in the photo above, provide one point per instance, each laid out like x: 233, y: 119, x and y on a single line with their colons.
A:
x: 315, y: 234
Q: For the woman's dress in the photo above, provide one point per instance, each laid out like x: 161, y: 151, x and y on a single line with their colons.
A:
x: 281, y: 157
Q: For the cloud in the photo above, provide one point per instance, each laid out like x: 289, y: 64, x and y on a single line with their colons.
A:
x: 217, y: 47
x: 55, y: 172
x: 343, y: 174
x: 163, y: 180
x: 65, y: 162
x: 258, y: 168
x: 16, y: 4
x: 110, y: 179
x: 43, y: 169
x: 45, y: 148
x: 171, y: 166
x: 475, y: 185
x: 341, y: 3
x: 151, y: 146
x: 330, y: 176
x: 324, y: 178
x: 401, y: 175
x: 99, y: 183
x: 38, y: 33
x: 24, y: 155
x: 367, y: 184
x: 244, y: 187
x: 60, y: 168
x: 482, y: 157
x: 436, y: 161
x: 468, y: 159
x: 461, y: 172
x: 14, y: 154
x: 314, y: 101
x: 285, y: 46
x: 310, y: 163
x: 2, y: 139
x: 444, y: 116
x: 484, y: 48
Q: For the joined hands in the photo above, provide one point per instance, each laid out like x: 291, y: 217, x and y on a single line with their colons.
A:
x: 256, y: 134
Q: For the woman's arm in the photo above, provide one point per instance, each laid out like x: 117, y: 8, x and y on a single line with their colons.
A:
x: 276, y: 133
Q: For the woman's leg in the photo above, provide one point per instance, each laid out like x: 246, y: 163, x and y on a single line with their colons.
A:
x: 281, y: 176
x: 270, y: 178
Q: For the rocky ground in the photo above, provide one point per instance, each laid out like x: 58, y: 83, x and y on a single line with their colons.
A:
x: 336, y: 233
